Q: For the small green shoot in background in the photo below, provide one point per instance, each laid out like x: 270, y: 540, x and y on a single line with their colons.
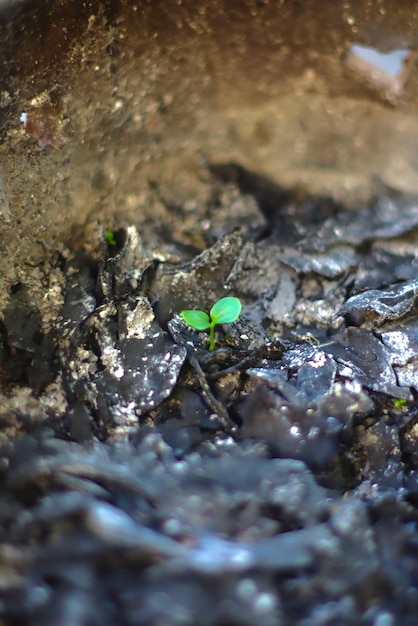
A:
x: 224, y: 311
x: 110, y: 238
x: 400, y: 402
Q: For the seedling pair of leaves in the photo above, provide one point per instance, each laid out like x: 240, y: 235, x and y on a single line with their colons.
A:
x: 224, y: 311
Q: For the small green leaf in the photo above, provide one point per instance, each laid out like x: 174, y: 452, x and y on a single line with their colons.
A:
x: 226, y: 310
x: 400, y: 402
x: 197, y: 319
x: 110, y: 238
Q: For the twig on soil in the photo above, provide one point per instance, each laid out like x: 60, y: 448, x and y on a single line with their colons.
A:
x: 216, y: 406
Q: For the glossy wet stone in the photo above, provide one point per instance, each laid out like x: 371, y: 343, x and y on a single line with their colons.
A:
x: 332, y: 264
x: 363, y: 357
x: 388, y: 303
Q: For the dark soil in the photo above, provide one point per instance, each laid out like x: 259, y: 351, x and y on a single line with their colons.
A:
x: 148, y: 481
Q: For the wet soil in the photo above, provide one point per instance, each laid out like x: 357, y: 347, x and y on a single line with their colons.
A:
x: 159, y: 156
x: 147, y: 480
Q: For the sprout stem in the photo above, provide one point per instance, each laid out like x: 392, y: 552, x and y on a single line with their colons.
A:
x: 211, y: 337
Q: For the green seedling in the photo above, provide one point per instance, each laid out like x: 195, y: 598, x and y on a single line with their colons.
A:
x: 400, y: 402
x: 110, y: 238
x: 225, y: 311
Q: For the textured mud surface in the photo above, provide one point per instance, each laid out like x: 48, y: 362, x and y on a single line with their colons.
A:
x: 156, y: 156
x: 146, y: 480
